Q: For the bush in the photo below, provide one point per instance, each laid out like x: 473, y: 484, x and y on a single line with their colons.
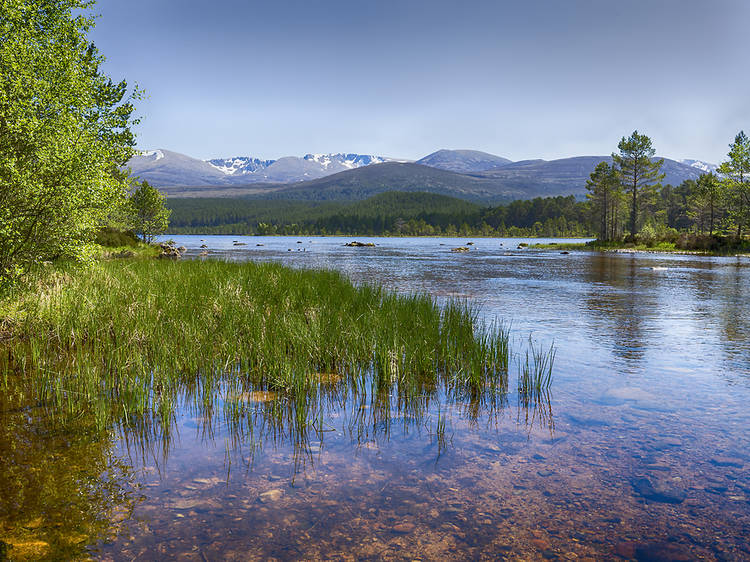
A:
x: 113, y: 238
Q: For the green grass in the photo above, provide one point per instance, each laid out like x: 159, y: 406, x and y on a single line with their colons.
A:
x: 129, y: 339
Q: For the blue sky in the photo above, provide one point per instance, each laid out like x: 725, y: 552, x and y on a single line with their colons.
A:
x: 526, y: 79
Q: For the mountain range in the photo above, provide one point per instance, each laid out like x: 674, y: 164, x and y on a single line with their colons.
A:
x: 468, y: 174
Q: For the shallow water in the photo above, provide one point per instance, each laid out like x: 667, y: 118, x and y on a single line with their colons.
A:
x: 640, y: 451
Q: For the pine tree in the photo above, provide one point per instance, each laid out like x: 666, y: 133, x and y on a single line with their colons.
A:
x: 735, y: 174
x: 638, y: 172
x: 605, y: 198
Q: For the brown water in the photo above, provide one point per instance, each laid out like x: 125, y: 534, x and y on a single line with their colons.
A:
x: 640, y: 451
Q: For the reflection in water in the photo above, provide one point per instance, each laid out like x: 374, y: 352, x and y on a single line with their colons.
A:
x: 64, y: 487
x: 61, y: 485
x: 616, y: 297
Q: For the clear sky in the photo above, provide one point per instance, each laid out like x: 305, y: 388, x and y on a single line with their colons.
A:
x: 520, y: 79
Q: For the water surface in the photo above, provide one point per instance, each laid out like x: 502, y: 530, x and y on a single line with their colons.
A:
x: 640, y: 451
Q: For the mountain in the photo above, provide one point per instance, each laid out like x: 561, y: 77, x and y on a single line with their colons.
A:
x: 704, y: 167
x: 568, y: 176
x: 165, y: 168
x: 399, y: 176
x: 463, y: 161
x: 319, y: 177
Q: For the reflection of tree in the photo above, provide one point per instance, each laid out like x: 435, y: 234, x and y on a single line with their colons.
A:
x: 60, y: 484
x: 615, y: 303
x: 735, y: 318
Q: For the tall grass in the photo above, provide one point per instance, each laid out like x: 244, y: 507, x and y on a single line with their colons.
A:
x: 129, y: 339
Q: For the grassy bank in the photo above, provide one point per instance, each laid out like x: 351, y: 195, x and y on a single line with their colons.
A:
x: 715, y: 247
x: 127, y: 338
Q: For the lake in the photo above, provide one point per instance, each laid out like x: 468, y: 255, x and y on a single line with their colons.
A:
x: 640, y: 450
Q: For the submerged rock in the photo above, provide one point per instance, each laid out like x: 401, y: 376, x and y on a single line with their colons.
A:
x: 271, y: 495
x: 460, y: 249
x: 658, y: 493
x: 722, y: 460
x: 659, y: 551
x: 356, y: 244
x: 403, y: 528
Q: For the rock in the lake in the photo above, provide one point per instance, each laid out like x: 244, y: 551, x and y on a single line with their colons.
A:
x: 460, y: 249
x: 723, y: 460
x: 660, y: 551
x: 356, y: 244
x: 660, y: 492
x: 271, y: 495
x: 403, y: 528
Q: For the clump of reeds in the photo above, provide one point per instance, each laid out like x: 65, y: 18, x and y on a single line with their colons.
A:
x: 130, y: 339
x: 535, y: 373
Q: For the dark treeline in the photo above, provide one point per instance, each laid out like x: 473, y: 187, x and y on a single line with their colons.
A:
x: 392, y: 213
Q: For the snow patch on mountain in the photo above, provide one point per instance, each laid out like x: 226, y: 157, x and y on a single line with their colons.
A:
x: 153, y: 154
x: 310, y: 165
x: 345, y: 161
x: 239, y: 165
x: 700, y: 165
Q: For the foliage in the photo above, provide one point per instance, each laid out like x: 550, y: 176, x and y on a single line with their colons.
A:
x: 64, y: 130
x: 113, y: 238
x: 605, y: 197
x: 392, y: 213
x: 735, y: 174
x: 638, y: 172
x: 149, y: 215
x: 705, y: 202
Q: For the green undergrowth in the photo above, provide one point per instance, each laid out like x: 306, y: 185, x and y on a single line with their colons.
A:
x: 127, y: 339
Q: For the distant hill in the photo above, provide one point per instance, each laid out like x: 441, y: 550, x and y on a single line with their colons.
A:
x: 399, y: 176
x: 567, y: 176
x: 463, y: 161
x: 240, y: 216
x: 178, y: 175
x: 165, y: 168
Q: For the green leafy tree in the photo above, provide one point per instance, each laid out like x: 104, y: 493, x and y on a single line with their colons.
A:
x: 704, y: 202
x: 639, y: 173
x: 150, y: 215
x: 605, y: 198
x: 735, y: 173
x: 64, y: 130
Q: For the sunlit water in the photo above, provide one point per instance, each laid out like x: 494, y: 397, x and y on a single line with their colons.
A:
x: 641, y: 450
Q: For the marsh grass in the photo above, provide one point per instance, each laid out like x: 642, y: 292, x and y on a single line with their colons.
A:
x: 129, y: 340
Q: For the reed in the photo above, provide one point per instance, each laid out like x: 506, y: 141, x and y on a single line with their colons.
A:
x: 131, y: 339
x: 535, y: 373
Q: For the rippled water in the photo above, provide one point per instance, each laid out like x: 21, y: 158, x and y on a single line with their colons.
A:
x: 641, y: 450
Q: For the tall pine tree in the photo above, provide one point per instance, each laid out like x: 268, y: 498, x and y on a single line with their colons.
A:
x: 639, y: 173
x: 735, y: 174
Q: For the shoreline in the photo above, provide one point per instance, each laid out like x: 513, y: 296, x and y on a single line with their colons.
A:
x: 638, y: 250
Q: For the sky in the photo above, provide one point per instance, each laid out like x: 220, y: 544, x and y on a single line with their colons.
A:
x: 520, y: 79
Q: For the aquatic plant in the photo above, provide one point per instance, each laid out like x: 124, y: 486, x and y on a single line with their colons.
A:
x: 128, y: 340
x: 535, y: 373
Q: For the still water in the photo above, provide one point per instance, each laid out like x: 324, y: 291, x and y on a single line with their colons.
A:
x: 641, y: 450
